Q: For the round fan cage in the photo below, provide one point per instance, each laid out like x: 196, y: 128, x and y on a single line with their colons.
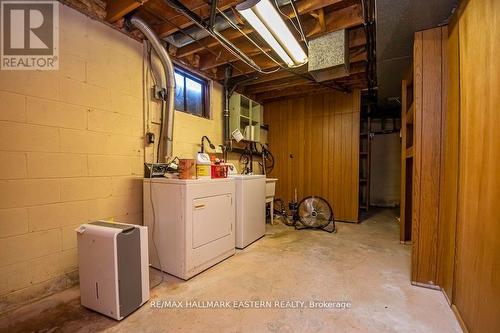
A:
x: 314, y: 212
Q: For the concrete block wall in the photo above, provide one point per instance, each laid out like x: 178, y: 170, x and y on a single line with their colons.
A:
x: 71, y: 151
x: 188, y: 129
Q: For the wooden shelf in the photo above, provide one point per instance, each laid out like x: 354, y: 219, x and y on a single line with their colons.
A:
x: 363, y: 153
x: 409, y: 152
x: 363, y: 180
x: 409, y: 114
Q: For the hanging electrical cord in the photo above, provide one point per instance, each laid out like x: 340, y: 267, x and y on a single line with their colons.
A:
x: 153, y: 211
x: 292, y: 3
x: 286, y: 16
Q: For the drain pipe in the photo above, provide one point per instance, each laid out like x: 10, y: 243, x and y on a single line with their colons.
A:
x: 168, y: 116
x: 227, y: 136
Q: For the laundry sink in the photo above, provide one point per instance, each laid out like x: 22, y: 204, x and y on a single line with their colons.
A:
x: 270, y: 187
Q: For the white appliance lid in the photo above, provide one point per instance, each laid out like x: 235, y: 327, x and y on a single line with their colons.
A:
x: 247, y: 176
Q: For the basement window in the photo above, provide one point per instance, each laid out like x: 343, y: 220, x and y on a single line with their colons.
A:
x: 191, y: 93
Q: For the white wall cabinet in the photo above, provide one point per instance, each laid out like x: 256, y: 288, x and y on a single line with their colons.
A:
x: 245, y: 115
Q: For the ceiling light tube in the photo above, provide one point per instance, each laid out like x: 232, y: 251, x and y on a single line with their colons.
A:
x: 264, y: 18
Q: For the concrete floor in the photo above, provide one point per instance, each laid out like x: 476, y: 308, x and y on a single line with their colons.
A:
x: 362, y: 264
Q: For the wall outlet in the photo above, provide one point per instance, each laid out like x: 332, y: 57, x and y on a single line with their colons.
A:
x: 157, y: 92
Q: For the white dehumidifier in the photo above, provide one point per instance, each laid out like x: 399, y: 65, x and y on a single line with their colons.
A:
x: 113, y: 267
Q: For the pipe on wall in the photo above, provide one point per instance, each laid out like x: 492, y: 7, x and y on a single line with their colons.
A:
x: 166, y: 141
x: 227, y: 135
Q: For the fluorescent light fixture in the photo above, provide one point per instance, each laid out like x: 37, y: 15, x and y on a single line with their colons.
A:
x: 264, y: 18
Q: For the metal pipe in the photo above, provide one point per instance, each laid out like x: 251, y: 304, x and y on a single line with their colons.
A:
x: 168, y: 116
x: 195, y: 33
x: 213, y: 12
x: 180, y: 7
x: 227, y: 136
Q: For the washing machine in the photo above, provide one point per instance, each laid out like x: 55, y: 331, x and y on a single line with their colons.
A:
x: 191, y: 223
x: 250, y: 208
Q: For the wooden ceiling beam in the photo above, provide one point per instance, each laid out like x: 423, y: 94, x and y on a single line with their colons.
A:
x: 223, y: 56
x: 278, y: 84
x: 357, y: 37
x: 201, y: 9
x: 342, y: 19
x: 266, y: 64
x: 275, y: 76
x: 358, y: 55
x: 308, y: 6
x: 292, y: 91
x: 293, y: 80
x: 95, y: 8
x: 209, y: 42
x: 352, y: 82
x: 117, y: 9
x: 303, y: 7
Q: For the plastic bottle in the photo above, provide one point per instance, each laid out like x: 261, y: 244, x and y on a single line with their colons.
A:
x: 203, y: 169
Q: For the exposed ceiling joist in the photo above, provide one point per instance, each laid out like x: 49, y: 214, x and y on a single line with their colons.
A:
x: 202, y: 10
x: 276, y: 76
x: 223, y: 56
x: 267, y: 64
x: 278, y: 84
x: 309, y: 6
x: 117, y: 9
x: 206, y: 55
x: 209, y: 42
x: 291, y: 80
x: 343, y: 18
x: 292, y: 91
x: 303, y: 7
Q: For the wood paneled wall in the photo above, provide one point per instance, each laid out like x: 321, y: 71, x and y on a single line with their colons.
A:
x: 449, y: 168
x: 429, y: 101
x: 477, y: 271
x: 315, y: 143
x: 463, y: 248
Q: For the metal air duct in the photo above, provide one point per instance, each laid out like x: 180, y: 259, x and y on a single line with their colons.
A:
x: 168, y: 114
